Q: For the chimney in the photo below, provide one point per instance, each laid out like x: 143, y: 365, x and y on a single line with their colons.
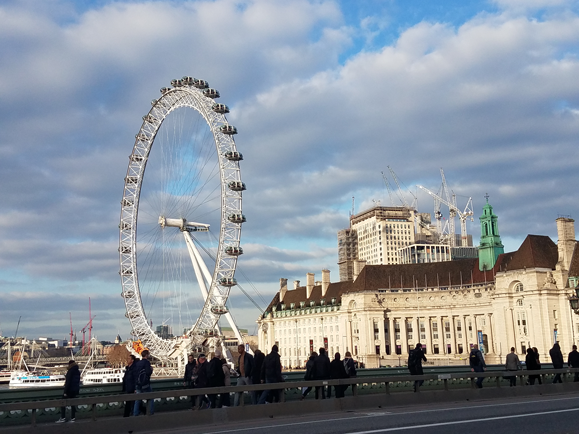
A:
x: 566, y: 242
x: 296, y: 284
x: 358, y: 265
x: 309, y: 284
x: 325, y: 281
x: 282, y: 289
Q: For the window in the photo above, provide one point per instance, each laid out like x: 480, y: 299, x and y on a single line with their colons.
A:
x: 519, y: 287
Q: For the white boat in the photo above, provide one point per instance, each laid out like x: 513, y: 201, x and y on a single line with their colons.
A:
x: 5, y: 376
x: 103, y: 376
x: 30, y: 379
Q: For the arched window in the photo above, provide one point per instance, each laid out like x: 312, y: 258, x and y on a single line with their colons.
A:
x: 520, y: 302
x: 519, y: 287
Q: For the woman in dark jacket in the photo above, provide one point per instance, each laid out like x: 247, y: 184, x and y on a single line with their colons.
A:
x: 71, y: 389
x: 538, y: 364
x: 129, y: 385
x: 309, y: 376
x: 258, y: 358
x: 337, y: 372
x: 532, y: 365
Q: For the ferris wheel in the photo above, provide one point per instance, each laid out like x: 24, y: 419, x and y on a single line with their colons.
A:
x: 172, y: 265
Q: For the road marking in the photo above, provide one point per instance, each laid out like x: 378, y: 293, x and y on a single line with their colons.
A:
x: 456, y: 422
x: 309, y: 422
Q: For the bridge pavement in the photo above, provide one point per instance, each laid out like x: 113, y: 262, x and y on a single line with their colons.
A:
x: 532, y: 409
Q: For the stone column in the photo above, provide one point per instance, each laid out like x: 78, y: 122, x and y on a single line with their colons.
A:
x: 391, y: 336
x: 428, y: 343
x: 491, y: 339
x: 382, y: 335
x: 403, y: 336
x: 465, y: 346
x: 441, y: 347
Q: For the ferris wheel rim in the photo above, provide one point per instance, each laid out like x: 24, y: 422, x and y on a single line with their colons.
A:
x: 193, y: 94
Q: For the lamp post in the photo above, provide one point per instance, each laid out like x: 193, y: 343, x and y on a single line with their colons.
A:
x: 574, y: 301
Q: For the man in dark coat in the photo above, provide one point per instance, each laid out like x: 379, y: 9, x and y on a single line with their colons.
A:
x: 557, y: 360
x: 245, y: 364
x: 143, y: 372
x: 271, y: 373
x: 573, y: 361
x: 532, y: 364
x: 477, y: 364
x: 215, y: 375
x: 129, y: 385
x: 188, y: 380
x: 337, y: 372
x: 201, y: 381
x: 321, y: 371
x: 309, y: 375
x: 71, y: 390
x: 415, y: 359
x: 258, y: 359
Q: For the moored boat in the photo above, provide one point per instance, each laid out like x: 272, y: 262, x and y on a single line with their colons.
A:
x: 103, y: 376
x: 31, y: 379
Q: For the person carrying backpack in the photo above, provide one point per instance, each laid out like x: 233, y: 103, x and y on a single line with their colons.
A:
x: 215, y: 376
x: 143, y: 372
x: 415, y: 358
x: 477, y: 364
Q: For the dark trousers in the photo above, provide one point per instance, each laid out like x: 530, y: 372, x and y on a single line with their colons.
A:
x: 213, y: 400
x: 339, y: 391
x: 479, y: 380
x: 225, y: 400
x: 129, y: 406
x: 305, y: 391
x: 557, y: 379
x: 323, y: 390
x: 72, y: 407
x: 512, y: 380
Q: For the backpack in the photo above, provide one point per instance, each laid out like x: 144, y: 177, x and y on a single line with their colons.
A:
x: 412, y: 359
x: 142, y: 378
x: 473, y: 359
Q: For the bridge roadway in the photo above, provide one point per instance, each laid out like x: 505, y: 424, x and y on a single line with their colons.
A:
x: 547, y: 408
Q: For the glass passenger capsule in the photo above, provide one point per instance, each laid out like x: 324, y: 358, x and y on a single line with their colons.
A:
x: 219, y: 310
x: 236, y: 218
x: 200, y: 84
x: 228, y: 129
x: 227, y: 281
x: 164, y: 90
x: 236, y: 186
x: 233, y: 156
x: 220, y: 108
x: 176, y: 83
x: 211, y: 93
x: 234, y: 251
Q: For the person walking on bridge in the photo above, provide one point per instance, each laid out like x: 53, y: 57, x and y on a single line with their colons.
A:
x: 557, y: 360
x: 477, y: 364
x: 321, y: 371
x: 271, y: 373
x: 415, y: 359
x: 71, y: 389
x: 573, y: 361
x: 245, y: 366
x: 512, y: 363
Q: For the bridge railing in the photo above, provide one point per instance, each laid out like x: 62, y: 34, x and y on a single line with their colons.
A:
x: 390, y: 384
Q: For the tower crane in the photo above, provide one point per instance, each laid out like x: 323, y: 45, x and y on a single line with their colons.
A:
x: 462, y: 215
x: 451, y: 209
x: 89, y: 327
x: 388, y: 187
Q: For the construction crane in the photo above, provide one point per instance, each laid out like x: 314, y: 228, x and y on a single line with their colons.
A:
x: 453, y: 210
x: 399, y: 192
x: 388, y: 187
x: 84, y: 329
x: 71, y: 332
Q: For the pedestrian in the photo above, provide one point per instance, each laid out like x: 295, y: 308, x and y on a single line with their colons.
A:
x: 477, y: 364
x: 271, y: 373
x: 143, y: 372
x: 573, y: 361
x: 321, y: 372
x: 215, y: 375
x: 350, y: 367
x: 532, y: 365
x: 188, y: 380
x: 309, y: 375
x: 258, y: 358
x: 557, y: 360
x: 538, y: 377
x: 512, y: 363
x: 71, y: 390
x: 338, y: 372
x: 129, y: 384
x: 415, y: 359
x: 245, y: 365
x: 224, y: 397
x: 201, y: 381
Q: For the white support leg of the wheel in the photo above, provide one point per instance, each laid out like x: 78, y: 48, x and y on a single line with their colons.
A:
x: 198, y: 262
x: 193, y: 252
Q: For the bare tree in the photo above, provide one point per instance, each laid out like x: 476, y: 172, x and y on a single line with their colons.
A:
x: 118, y: 356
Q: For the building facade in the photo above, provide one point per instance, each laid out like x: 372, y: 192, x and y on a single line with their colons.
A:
x: 520, y: 300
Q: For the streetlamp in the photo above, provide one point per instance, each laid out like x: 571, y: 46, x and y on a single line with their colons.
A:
x: 574, y: 301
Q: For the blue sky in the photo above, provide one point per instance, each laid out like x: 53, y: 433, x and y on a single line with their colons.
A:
x: 325, y: 95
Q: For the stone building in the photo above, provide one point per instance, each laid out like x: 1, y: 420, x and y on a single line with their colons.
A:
x: 500, y: 300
